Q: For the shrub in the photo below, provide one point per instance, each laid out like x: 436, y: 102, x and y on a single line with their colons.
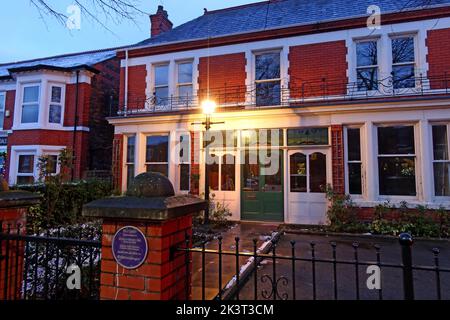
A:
x: 342, y: 213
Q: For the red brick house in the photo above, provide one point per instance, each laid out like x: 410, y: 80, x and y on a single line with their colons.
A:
x: 53, y: 103
x: 308, y: 94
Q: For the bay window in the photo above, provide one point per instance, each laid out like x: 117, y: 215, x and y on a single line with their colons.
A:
x: 367, y: 65
x: 161, y: 87
x: 157, y: 154
x: 441, y: 161
x: 25, y: 170
x: 403, y: 62
x: 268, y: 79
x: 30, y: 104
x: 354, y: 163
x: 396, y: 160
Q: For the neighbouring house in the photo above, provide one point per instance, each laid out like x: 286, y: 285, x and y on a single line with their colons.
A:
x: 54, y: 103
x: 366, y: 110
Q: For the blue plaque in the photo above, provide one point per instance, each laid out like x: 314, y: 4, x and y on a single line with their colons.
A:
x: 129, y: 247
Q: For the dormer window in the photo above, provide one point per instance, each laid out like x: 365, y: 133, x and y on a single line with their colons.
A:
x: 30, y: 104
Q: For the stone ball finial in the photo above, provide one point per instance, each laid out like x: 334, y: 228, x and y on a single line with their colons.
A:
x: 150, y: 185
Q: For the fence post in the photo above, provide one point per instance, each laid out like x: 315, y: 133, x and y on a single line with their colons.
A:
x: 141, y: 234
x: 13, y: 209
x: 406, y: 242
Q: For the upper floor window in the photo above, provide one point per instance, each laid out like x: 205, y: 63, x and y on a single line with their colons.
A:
x: 267, y: 79
x: 184, y: 80
x: 367, y: 65
x: 56, y: 104
x: 396, y: 160
x: 2, y: 108
x: 403, y: 62
x: 30, y: 104
x: 441, y: 161
x: 161, y: 84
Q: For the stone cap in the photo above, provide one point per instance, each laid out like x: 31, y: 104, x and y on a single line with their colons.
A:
x: 18, y: 198
x: 144, y: 208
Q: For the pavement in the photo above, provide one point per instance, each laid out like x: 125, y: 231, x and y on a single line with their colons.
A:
x: 390, y: 252
x: 391, y: 278
x: 246, y: 231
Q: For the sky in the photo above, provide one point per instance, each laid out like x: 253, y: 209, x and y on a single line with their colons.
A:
x: 27, y: 35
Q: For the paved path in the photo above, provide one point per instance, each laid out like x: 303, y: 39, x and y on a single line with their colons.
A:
x: 246, y: 231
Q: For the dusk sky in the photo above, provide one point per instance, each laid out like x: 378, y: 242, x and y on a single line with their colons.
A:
x: 27, y: 35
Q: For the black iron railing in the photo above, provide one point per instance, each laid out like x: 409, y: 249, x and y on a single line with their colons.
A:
x: 296, y: 94
x: 37, y: 267
x: 261, y: 279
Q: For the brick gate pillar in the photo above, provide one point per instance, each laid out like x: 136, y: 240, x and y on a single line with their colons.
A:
x: 14, y: 206
x: 151, y: 214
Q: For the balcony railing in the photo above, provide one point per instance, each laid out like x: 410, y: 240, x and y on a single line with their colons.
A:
x: 297, y: 94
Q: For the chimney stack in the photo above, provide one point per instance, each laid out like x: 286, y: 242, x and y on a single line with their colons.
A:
x: 160, y: 22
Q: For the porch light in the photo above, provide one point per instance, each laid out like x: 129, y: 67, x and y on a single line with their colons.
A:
x: 208, y: 106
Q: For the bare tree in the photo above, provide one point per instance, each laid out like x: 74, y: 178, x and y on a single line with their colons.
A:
x: 99, y: 11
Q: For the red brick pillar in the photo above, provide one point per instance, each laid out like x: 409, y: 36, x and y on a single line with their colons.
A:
x: 337, y: 158
x: 14, y: 206
x: 117, y: 159
x: 163, y: 274
x: 162, y: 221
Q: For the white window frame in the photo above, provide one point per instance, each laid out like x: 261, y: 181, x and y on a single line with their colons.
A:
x: 182, y: 84
x: 279, y: 51
x: 3, y: 97
x: 154, y: 85
x: 50, y: 85
x: 128, y: 163
x: 433, y: 161
x: 377, y: 66
x: 417, y: 164
x: 181, y: 162
x: 31, y: 174
x: 362, y: 161
x: 220, y: 154
x: 39, y: 102
x: 168, y: 152
x: 37, y: 151
x: 415, y: 63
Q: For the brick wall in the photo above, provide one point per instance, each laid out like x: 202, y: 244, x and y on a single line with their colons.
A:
x: 438, y: 43
x: 337, y: 158
x: 161, y: 277
x: 54, y: 138
x: 9, y: 105
x: 84, y: 95
x: 226, y: 75
x: 103, y: 103
x: 314, y: 65
x: 136, y: 87
x: 117, y: 165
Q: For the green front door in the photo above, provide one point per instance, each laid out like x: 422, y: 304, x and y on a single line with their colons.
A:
x: 262, y: 188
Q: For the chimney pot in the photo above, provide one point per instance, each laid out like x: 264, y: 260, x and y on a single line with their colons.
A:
x: 160, y: 22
